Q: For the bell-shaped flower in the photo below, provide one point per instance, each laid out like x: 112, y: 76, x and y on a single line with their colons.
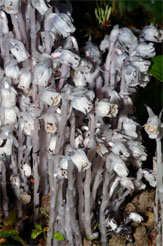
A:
x: 151, y: 33
x: 119, y: 148
x: 153, y: 125
x: 12, y: 69
x: 25, y: 198
x: 135, y: 217
x: 80, y: 159
x: 43, y: 72
x: 142, y: 65
x: 130, y: 127
x: 8, y: 96
x: 26, y: 170
x: 3, y: 23
x: 40, y: 5
x: 137, y: 150
x: 131, y: 74
x: 79, y: 79
x: 120, y: 169
x: 9, y: 115
x: 52, y: 144
x: 50, y: 97
x: 126, y: 37
x: 50, y: 122
x: 62, y: 169
x: 63, y: 24
x: 92, y: 52
x: 104, y: 108
x: 114, y: 33
x: 145, y: 50
x: 82, y: 104
x: 26, y: 123
x: 127, y: 183
x: 149, y: 176
x: 18, y: 50
x: 69, y: 58
x: 24, y: 79
x: 82, y: 100
x: 11, y: 6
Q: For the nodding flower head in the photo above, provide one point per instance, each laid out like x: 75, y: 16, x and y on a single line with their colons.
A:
x: 105, y: 109
x: 151, y: 33
x: 63, y: 24
x: 145, y: 50
x: 50, y: 97
x: 40, y: 5
x: 12, y: 6
x: 18, y: 50
x: 50, y: 122
x: 131, y: 75
x: 153, y: 125
x: 80, y: 160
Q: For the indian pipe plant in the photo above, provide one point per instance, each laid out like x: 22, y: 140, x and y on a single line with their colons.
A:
x: 68, y: 121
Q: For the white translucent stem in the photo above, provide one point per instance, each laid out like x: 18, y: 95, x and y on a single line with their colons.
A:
x: 5, y: 200
x: 74, y: 223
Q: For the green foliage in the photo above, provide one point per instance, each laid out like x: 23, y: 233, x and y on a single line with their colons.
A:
x: 102, y: 15
x: 38, y: 231
x: 156, y: 68
x: 58, y: 236
x: 8, y: 228
x: 42, y: 211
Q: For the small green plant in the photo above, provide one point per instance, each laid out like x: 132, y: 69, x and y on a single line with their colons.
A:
x: 103, y: 15
x: 58, y: 236
x: 38, y: 231
x: 9, y: 230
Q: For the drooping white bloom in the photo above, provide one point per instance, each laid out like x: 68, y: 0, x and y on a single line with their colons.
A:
x: 141, y: 64
x: 82, y: 104
x: 137, y: 150
x: 18, y: 50
x: 79, y: 79
x: 129, y: 127
x: 120, y: 169
x: 3, y: 23
x: 69, y: 58
x: 131, y: 74
x: 62, y: 171
x: 153, y: 125
x: 50, y: 97
x: 11, y: 6
x: 126, y: 37
x: 114, y: 33
x: 25, y: 79
x: 149, y: 176
x: 50, y: 122
x: 151, y: 33
x: 119, y: 148
x: 105, y: 109
x: 27, y: 170
x: 25, y: 198
x: 119, y: 61
x: 52, y: 144
x: 40, y: 5
x: 26, y: 123
x: 145, y: 50
x: 12, y: 69
x: 81, y: 160
x: 43, y: 72
x: 8, y: 96
x: 127, y: 183
x: 78, y: 141
x: 63, y: 24
x: 9, y: 115
x: 136, y: 217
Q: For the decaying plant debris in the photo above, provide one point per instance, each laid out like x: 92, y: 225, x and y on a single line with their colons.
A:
x: 68, y: 122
